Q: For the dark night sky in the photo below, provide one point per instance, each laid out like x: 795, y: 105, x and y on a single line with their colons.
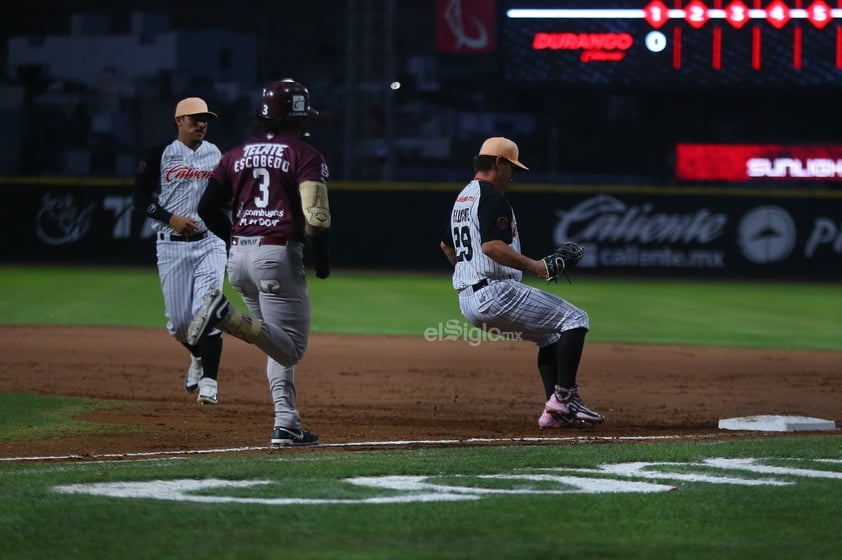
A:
x: 315, y: 30
x: 312, y: 30
x: 309, y: 23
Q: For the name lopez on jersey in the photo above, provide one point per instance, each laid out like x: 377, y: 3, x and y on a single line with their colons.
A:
x: 267, y: 155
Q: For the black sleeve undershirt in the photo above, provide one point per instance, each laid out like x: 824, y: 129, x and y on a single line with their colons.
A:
x: 147, y: 185
x: 494, y: 214
x: 212, y: 210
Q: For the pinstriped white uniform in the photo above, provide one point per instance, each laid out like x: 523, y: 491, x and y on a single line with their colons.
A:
x: 472, y: 265
x: 187, y: 269
x: 184, y: 176
x: 482, y: 214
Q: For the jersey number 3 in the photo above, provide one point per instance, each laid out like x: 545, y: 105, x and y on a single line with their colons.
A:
x: 462, y: 243
x: 263, y: 180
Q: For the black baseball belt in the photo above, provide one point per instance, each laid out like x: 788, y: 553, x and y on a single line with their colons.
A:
x: 173, y: 237
x: 480, y: 285
x: 259, y: 241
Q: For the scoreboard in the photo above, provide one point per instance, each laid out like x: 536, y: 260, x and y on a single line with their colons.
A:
x: 685, y: 44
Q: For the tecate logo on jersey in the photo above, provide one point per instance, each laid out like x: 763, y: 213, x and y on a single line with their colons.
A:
x: 182, y: 171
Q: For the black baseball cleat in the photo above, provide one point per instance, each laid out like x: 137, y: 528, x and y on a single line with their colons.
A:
x: 580, y: 410
x: 284, y: 437
x: 215, y: 307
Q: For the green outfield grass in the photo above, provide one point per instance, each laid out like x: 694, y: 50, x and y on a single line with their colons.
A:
x: 727, y: 313
x: 512, y: 501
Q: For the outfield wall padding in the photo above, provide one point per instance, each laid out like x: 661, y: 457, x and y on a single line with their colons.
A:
x: 757, y: 233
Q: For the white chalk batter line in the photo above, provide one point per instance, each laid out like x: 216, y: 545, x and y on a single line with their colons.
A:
x: 398, y: 443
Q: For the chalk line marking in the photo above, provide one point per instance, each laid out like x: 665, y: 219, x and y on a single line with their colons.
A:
x: 397, y: 443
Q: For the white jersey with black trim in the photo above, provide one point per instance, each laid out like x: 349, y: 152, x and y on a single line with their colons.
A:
x: 184, y: 178
x: 480, y: 214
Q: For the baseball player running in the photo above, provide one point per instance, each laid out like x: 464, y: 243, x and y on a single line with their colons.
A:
x: 276, y: 185
x: 483, y: 245
x: 169, y: 182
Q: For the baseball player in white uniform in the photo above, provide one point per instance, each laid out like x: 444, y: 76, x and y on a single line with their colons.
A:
x: 169, y: 183
x: 483, y: 245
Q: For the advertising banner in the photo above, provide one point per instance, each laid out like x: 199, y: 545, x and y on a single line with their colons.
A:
x: 758, y: 162
x: 700, y: 235
x: 646, y: 231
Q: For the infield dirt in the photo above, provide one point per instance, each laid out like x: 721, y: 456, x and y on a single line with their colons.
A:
x: 379, y: 388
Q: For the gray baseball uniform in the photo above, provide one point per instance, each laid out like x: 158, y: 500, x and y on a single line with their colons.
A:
x: 266, y: 264
x: 275, y: 185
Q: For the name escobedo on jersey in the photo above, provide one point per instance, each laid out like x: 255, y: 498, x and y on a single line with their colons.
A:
x: 267, y: 155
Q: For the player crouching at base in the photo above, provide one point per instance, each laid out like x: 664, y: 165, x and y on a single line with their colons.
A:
x: 483, y: 244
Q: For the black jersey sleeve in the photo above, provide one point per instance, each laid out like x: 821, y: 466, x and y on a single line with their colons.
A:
x: 495, y: 216
x: 147, y: 185
x: 446, y: 235
x: 212, y: 210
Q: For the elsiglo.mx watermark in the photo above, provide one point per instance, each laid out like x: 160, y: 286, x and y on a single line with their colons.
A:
x: 453, y: 329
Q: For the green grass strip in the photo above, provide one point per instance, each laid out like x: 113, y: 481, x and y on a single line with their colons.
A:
x: 37, y: 417
x: 527, y: 508
x: 794, y: 315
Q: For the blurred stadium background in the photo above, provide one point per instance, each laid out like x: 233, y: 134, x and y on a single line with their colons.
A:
x: 671, y: 137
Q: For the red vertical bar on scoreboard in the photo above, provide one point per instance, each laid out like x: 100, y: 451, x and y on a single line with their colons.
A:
x: 716, y: 57
x: 676, y: 41
x: 796, y: 42
x: 755, y: 40
x: 839, y: 41
x: 839, y: 46
x: 676, y: 48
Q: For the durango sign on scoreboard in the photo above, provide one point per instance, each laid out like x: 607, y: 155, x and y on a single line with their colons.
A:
x: 687, y: 44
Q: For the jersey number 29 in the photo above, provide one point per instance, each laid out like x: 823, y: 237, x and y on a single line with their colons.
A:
x: 462, y: 243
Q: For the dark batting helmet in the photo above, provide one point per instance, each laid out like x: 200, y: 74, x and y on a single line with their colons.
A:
x: 285, y: 100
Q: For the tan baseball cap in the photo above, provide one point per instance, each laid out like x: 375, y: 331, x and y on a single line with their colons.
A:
x: 193, y: 106
x: 501, y: 147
